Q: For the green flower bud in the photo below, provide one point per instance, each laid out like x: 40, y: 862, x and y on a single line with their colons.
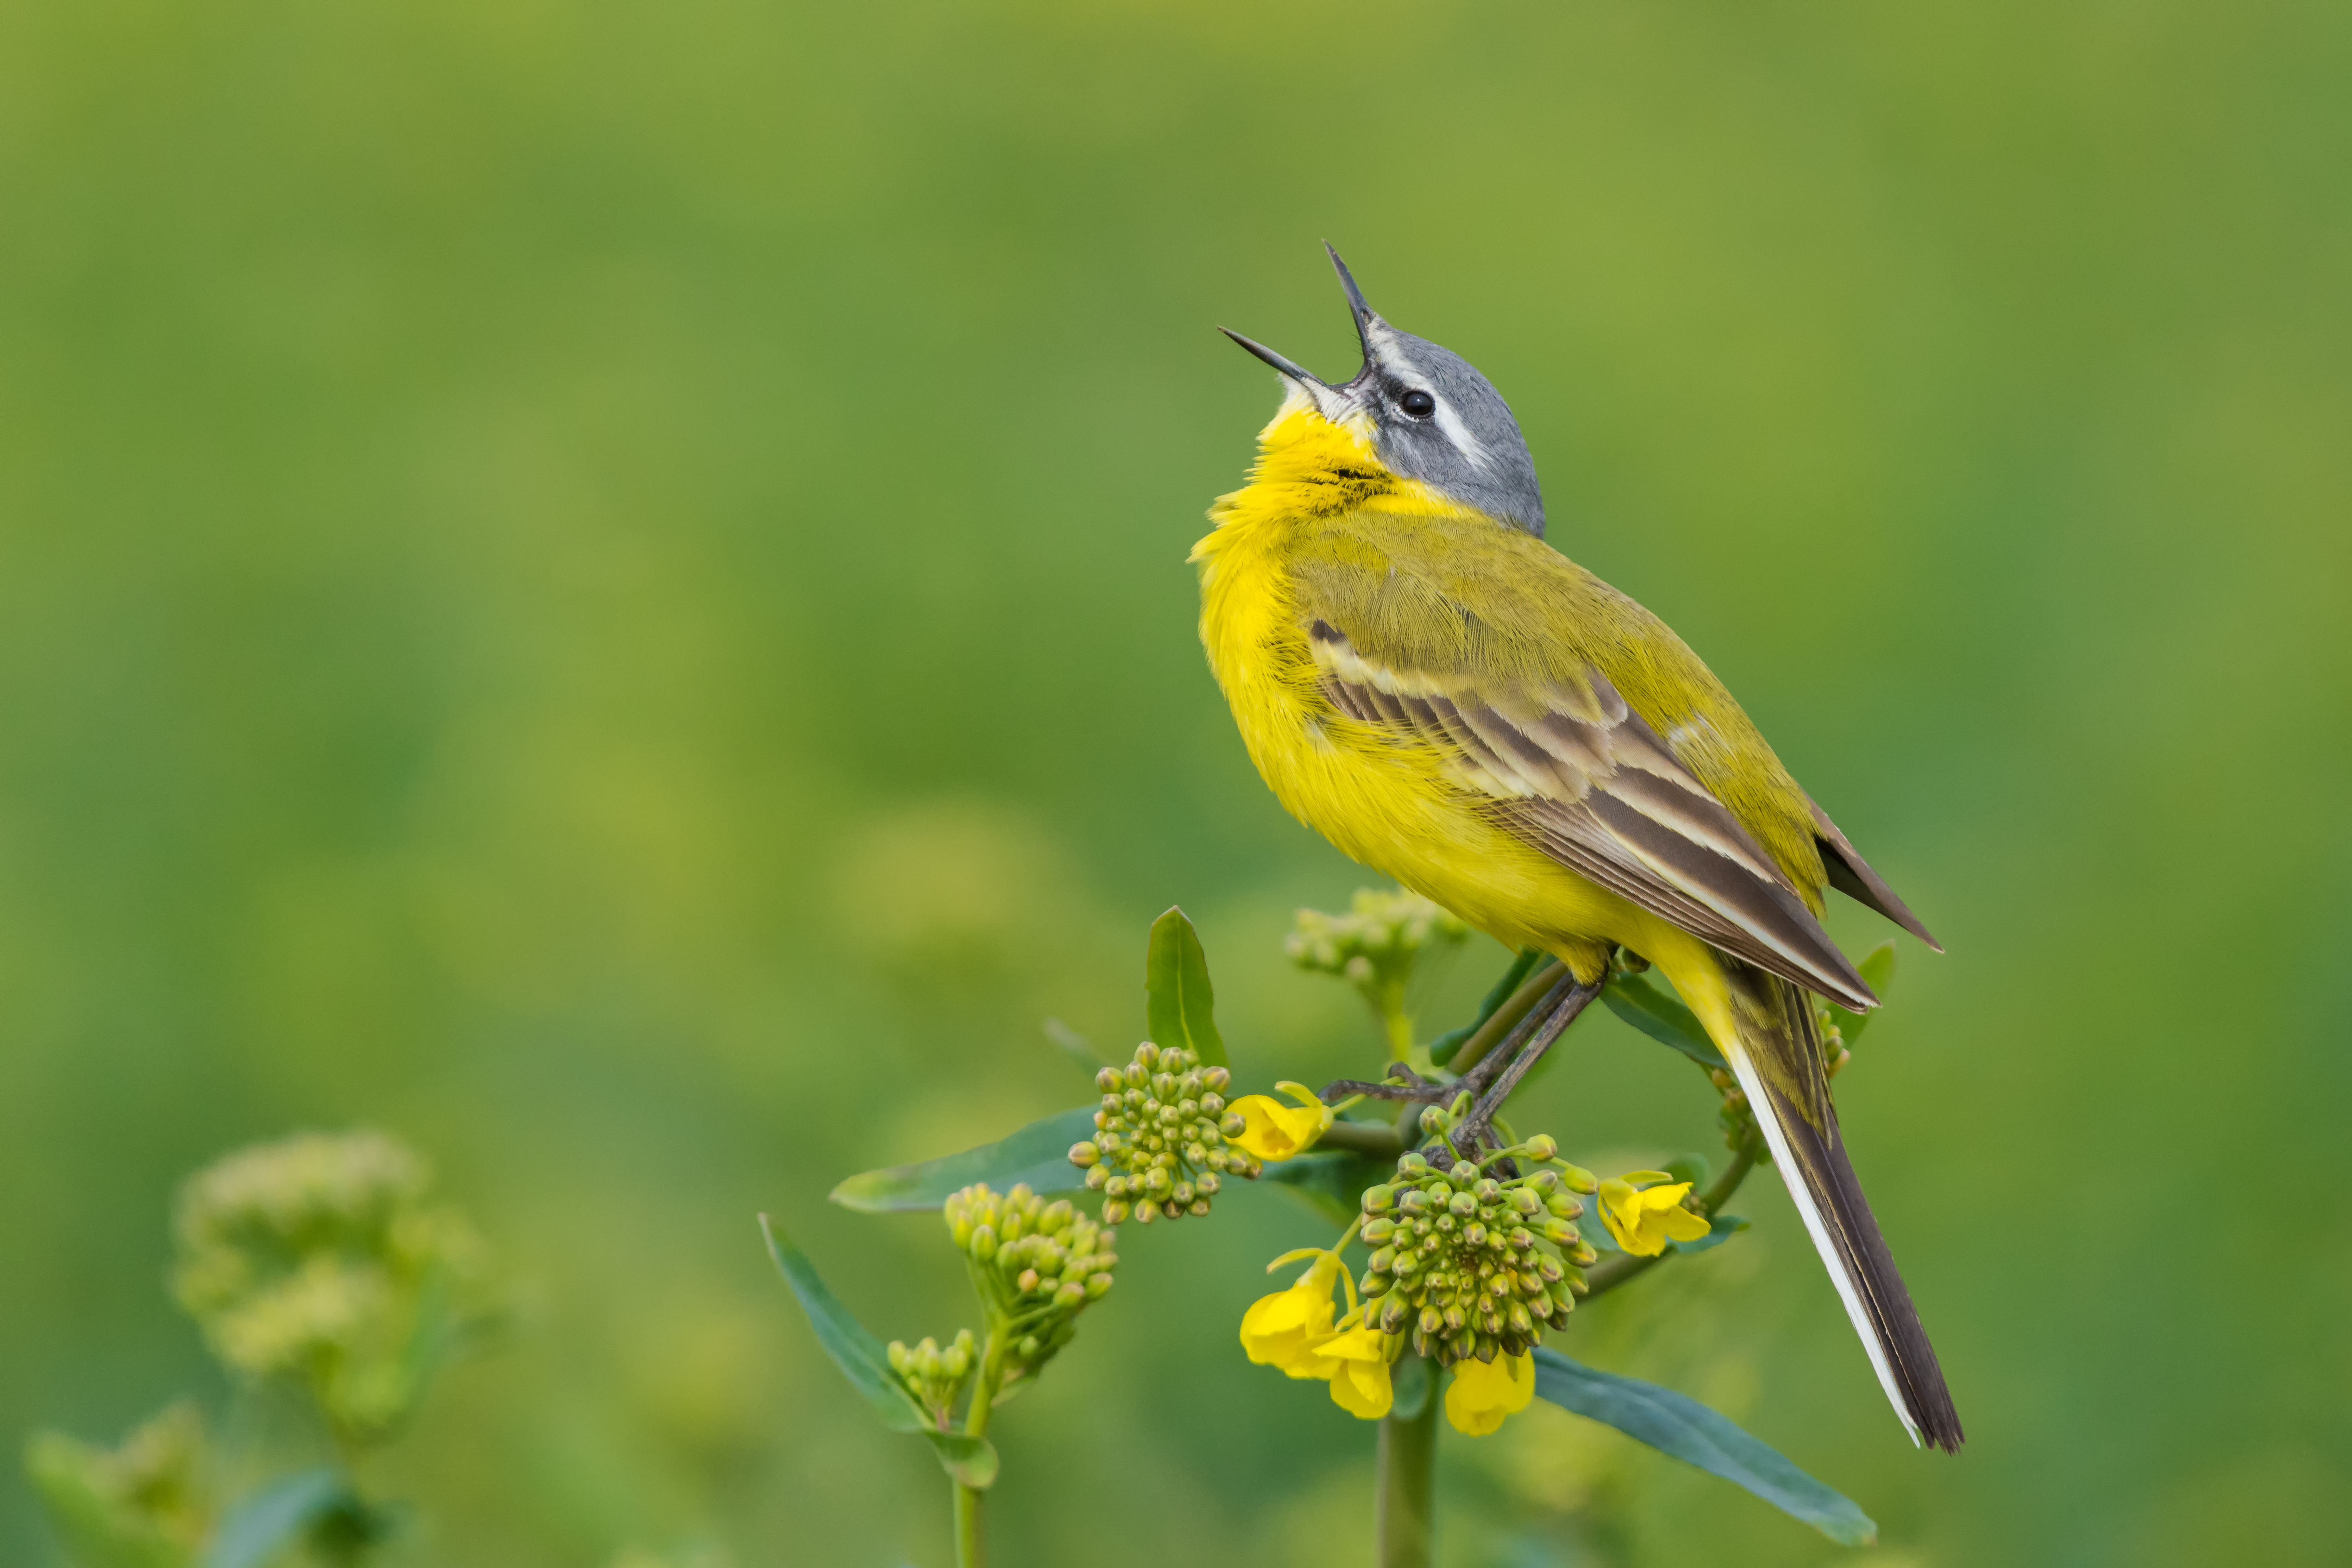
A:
x: 1462, y: 1204
x: 896, y: 1352
x: 983, y: 1243
x: 1084, y: 1155
x: 1209, y: 1184
x: 1579, y: 1180
x: 1377, y: 1231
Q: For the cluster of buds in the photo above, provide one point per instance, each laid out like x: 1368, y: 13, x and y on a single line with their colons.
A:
x: 1469, y: 1265
x: 934, y: 1376
x: 1376, y: 943
x: 1159, y: 1148
x: 321, y: 1259
x: 1036, y: 1265
x: 1835, y: 1055
x: 150, y: 1501
x: 1735, y: 1116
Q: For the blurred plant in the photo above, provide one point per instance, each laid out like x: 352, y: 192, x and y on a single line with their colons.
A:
x: 319, y: 1268
x: 318, y: 1260
x: 1376, y: 947
x: 146, y: 1504
x: 1471, y: 1252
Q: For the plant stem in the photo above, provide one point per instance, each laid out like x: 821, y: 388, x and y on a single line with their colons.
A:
x: 1407, y: 1474
x: 1396, y: 1023
x: 968, y: 1553
x: 1365, y: 1138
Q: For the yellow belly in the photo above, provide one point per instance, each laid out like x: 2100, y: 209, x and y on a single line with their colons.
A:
x: 1390, y: 805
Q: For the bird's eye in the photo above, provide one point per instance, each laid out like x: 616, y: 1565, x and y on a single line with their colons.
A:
x: 1418, y: 404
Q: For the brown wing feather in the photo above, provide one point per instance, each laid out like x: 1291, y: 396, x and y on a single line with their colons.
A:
x: 1581, y: 775
x: 1850, y: 874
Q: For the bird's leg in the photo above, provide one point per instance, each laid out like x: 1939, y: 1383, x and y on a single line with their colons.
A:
x: 1476, y: 1127
x: 1482, y: 1073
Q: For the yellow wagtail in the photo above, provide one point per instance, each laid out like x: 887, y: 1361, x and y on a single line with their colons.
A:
x: 1422, y: 679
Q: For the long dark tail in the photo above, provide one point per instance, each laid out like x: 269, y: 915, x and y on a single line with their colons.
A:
x: 1778, y: 1059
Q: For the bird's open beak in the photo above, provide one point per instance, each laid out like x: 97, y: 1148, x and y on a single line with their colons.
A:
x: 1289, y: 368
x: 1333, y: 402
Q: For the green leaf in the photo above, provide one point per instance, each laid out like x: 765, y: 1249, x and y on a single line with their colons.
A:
x: 1719, y: 1229
x: 860, y: 1356
x: 1332, y: 1181
x: 1181, y: 1008
x: 270, y: 1519
x: 1877, y: 972
x: 1662, y: 1017
x: 1680, y: 1426
x: 1038, y: 1155
x: 1443, y: 1048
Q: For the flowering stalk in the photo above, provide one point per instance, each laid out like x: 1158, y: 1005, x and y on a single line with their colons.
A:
x: 1407, y: 1481
x: 969, y: 1553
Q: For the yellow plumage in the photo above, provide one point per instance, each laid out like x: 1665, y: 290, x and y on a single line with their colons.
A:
x: 1318, y: 490
x: 1456, y: 705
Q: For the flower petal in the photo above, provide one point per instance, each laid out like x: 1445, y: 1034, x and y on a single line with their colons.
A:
x: 1482, y: 1394
x: 1362, y: 1389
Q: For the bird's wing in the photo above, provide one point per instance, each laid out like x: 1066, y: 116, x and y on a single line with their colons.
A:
x: 1562, y: 762
x: 1850, y: 874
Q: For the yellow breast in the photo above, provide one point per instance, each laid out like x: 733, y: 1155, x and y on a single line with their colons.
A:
x: 1383, y: 802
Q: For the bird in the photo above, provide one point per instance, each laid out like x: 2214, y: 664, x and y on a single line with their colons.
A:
x: 1422, y: 677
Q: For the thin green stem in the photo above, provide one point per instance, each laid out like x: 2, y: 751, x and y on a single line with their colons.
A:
x: 1407, y: 1474
x: 969, y: 1551
x: 1618, y: 1270
x: 1364, y: 1138
x: 1396, y: 1022
x: 1506, y: 1018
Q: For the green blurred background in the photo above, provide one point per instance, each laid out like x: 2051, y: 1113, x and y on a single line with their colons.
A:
x: 601, y: 585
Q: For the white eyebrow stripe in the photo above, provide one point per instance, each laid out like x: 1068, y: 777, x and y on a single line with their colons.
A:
x: 1393, y: 359
x: 1468, y: 445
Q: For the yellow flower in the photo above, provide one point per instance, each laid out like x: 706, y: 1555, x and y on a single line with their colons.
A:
x: 1483, y: 1393
x: 1283, y: 1329
x: 1359, y: 1359
x: 1643, y: 1219
x: 1273, y: 1131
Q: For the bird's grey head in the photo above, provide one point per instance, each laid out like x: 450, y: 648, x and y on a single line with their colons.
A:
x: 1433, y: 417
